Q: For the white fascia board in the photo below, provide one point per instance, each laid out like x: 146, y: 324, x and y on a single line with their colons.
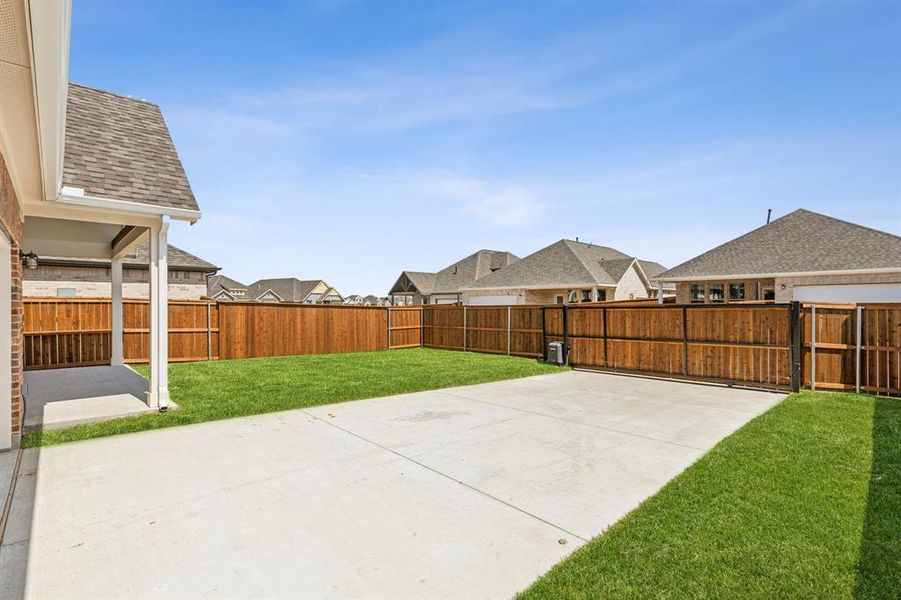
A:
x: 48, y: 31
x: 787, y: 274
x: 71, y: 197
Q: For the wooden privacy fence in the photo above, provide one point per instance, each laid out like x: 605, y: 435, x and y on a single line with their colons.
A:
x: 514, y: 330
x: 852, y: 347
x: 70, y: 332
x: 254, y: 329
x: 840, y: 347
x: 749, y: 344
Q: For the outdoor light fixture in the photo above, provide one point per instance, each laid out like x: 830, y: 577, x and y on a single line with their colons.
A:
x: 29, y: 259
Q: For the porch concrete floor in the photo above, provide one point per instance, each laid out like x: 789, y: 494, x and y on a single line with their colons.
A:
x: 57, y: 398
x: 468, y: 492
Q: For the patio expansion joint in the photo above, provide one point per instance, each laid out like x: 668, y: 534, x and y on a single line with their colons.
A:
x: 574, y: 422
x: 446, y: 476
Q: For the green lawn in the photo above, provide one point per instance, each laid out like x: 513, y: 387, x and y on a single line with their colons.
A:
x: 208, y: 391
x: 803, y: 502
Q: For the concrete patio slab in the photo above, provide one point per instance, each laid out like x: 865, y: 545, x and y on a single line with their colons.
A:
x: 465, y: 492
x: 57, y: 398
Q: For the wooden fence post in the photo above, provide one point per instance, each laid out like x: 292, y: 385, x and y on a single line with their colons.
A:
x: 858, y: 326
x: 813, y: 347
x: 604, y: 316
x: 565, y: 334
x: 508, y: 330
x: 685, y: 341
x: 388, y: 322
x: 421, y: 326
x: 209, y: 331
x: 464, y: 328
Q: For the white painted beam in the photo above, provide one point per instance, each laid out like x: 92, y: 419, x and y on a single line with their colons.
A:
x: 158, y: 396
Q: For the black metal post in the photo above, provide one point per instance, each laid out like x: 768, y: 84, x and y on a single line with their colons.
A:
x: 794, y: 328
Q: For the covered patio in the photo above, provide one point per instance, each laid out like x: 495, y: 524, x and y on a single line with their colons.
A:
x: 120, y: 185
x: 62, y: 397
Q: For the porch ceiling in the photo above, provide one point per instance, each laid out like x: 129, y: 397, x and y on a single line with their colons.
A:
x: 49, y: 237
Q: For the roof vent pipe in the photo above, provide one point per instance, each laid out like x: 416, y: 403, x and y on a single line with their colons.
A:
x: 769, y: 212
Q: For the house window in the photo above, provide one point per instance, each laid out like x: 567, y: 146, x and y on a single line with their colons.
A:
x: 736, y: 292
x: 601, y: 295
x: 559, y: 300
x: 574, y: 296
x: 715, y: 292
x: 586, y: 295
x: 769, y: 293
x: 697, y: 292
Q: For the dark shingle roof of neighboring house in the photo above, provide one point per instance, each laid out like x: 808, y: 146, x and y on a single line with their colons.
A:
x: 178, y: 260
x: 460, y: 274
x: 467, y: 271
x: 422, y: 281
x: 217, y: 283
x: 799, y: 242
x: 289, y: 289
x: 120, y: 148
x: 566, y: 263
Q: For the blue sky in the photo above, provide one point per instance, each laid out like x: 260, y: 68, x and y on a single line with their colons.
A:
x: 352, y: 140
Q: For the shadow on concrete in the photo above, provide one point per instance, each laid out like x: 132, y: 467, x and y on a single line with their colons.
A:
x: 879, y: 564
x: 16, y: 534
x: 62, y: 397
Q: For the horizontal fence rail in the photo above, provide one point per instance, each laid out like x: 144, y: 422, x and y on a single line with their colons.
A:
x: 824, y: 346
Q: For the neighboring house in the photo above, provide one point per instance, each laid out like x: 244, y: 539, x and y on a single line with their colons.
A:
x: 803, y: 256
x: 354, y: 300
x: 84, y: 174
x: 291, y: 289
x: 226, y: 289
x: 567, y: 271
x: 445, y: 286
x: 70, y: 277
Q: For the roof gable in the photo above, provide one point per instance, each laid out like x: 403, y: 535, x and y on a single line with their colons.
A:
x: 565, y: 263
x: 466, y: 271
x: 800, y: 242
x: 120, y: 148
x: 288, y: 289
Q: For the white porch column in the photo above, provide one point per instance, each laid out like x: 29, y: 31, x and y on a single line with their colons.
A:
x: 158, y: 396
x: 659, y: 293
x: 116, y: 356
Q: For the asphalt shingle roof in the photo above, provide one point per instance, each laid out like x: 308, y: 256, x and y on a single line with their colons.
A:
x: 566, y: 263
x: 217, y: 283
x: 799, y: 242
x: 460, y: 274
x: 120, y: 148
x: 289, y: 289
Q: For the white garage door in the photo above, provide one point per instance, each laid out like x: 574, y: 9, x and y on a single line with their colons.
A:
x: 495, y: 300
x: 873, y: 292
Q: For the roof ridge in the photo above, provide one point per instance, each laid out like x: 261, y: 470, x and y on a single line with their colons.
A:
x: 858, y: 225
x: 114, y: 94
x: 580, y: 259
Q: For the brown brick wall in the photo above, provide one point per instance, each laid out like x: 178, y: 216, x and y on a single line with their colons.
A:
x: 18, y: 339
x: 11, y: 223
